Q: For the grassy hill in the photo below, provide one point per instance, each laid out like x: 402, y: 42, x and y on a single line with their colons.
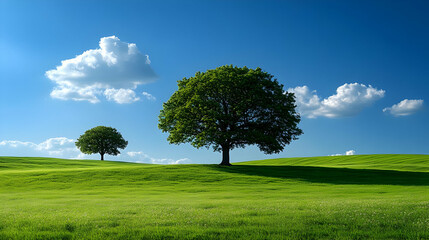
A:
x: 400, y: 162
x: 341, y: 197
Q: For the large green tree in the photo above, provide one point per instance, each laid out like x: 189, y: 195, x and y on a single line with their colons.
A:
x: 231, y: 107
x: 102, y: 140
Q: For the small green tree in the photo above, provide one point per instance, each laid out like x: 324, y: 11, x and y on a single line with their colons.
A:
x: 231, y: 107
x: 102, y: 140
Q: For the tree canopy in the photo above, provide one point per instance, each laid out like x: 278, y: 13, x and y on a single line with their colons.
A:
x: 231, y: 107
x: 102, y: 140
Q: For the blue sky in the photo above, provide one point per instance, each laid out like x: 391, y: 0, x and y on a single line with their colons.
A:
x: 347, y: 61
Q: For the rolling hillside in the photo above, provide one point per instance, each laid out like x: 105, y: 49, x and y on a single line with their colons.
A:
x: 400, y: 162
x: 354, y: 197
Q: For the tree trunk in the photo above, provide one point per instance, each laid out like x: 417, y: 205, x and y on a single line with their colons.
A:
x: 102, y: 156
x: 225, y: 156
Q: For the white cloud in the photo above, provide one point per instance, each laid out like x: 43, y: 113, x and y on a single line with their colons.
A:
x: 348, y: 153
x: 62, y: 147
x: 53, y: 147
x: 56, y: 143
x: 349, y: 100
x: 405, y: 107
x: 14, y: 144
x: 149, y: 96
x: 142, y: 157
x: 170, y: 161
x: 133, y: 154
x: 81, y: 156
x: 307, y: 101
x: 76, y: 94
x: 121, y: 95
x: 115, y: 65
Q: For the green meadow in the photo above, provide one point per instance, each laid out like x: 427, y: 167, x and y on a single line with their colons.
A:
x: 339, y: 197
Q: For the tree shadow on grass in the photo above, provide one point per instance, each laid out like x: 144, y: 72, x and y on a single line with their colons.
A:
x: 333, y: 175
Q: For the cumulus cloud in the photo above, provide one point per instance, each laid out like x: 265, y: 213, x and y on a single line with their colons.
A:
x: 76, y: 94
x: 121, y: 95
x: 115, y: 69
x: 53, y: 147
x: 405, y: 107
x: 142, y: 157
x: 349, y: 100
x: 348, y: 153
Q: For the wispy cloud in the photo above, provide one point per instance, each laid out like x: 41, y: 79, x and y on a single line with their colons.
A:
x: 142, y: 157
x: 148, y: 96
x: 115, y: 69
x: 349, y: 100
x: 405, y: 107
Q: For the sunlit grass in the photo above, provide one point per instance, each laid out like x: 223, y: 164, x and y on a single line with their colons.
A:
x: 348, y: 197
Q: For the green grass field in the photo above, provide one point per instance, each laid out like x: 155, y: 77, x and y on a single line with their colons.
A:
x: 344, y: 197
